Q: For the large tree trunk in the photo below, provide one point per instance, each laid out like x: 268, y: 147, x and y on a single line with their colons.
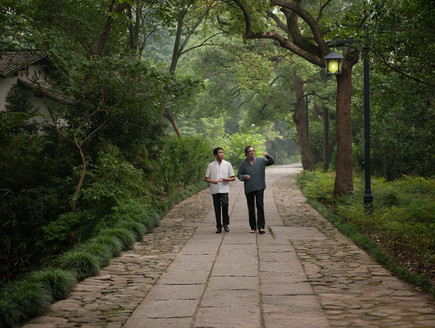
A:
x: 300, y: 119
x: 325, y: 139
x: 344, y: 171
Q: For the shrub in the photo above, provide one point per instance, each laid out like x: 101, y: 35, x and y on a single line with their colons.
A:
x: 402, y: 222
x: 113, y: 243
x: 101, y: 250
x: 82, y: 264
x: 22, y: 300
x: 137, y: 228
x: 317, y: 186
x: 58, y: 282
x: 70, y: 227
x: 125, y: 236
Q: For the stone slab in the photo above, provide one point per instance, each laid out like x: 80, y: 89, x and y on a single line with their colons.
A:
x: 298, y: 233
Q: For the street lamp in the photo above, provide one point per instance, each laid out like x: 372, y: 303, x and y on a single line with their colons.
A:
x: 333, y: 64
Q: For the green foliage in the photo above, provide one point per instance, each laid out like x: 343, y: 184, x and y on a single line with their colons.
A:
x: 69, y: 227
x: 401, y: 127
x: 57, y: 282
x: 104, y: 248
x: 137, y: 228
x: 404, y: 48
x: 126, y: 237
x: 135, y: 210
x: 233, y: 144
x: 22, y: 300
x: 317, y: 186
x: 81, y: 263
x: 19, y: 112
x: 111, y: 180
x: 183, y: 162
x: 33, y: 193
x: 401, y: 225
x: 113, y: 243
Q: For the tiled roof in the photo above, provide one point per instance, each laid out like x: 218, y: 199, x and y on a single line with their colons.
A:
x: 11, y: 62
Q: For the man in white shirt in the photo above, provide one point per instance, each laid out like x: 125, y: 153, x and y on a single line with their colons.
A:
x: 218, y: 174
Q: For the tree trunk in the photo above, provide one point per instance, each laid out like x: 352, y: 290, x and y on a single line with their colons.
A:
x: 300, y: 120
x: 325, y: 139
x: 102, y: 40
x: 82, y: 177
x: 174, y: 125
x: 344, y: 172
x: 174, y: 61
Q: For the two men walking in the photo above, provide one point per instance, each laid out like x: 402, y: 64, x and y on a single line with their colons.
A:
x: 252, y: 173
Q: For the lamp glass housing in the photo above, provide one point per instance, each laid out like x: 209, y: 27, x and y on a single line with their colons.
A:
x: 333, y: 63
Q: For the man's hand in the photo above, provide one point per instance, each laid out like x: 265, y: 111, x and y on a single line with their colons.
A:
x: 265, y: 154
x: 247, y: 177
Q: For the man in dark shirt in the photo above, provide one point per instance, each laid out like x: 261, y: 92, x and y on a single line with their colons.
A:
x: 252, y: 173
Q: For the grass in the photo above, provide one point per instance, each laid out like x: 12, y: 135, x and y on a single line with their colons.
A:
x: 400, y: 233
x: 24, y: 294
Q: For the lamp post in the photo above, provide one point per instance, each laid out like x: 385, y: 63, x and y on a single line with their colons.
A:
x: 333, y: 67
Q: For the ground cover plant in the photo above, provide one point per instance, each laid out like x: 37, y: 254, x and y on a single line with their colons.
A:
x: 119, y: 203
x: 401, y: 231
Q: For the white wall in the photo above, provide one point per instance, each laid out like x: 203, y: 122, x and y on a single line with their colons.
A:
x: 38, y: 102
x: 5, y: 85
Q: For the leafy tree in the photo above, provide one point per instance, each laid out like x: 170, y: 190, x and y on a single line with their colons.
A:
x: 302, y: 28
x: 402, y: 97
x: 244, y: 84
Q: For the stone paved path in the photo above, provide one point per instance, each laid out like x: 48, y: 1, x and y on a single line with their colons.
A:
x: 302, y: 273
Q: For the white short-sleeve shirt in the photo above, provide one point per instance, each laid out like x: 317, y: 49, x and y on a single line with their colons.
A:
x: 216, y: 172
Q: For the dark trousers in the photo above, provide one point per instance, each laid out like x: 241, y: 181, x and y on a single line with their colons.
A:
x: 256, y: 199
x: 220, y: 203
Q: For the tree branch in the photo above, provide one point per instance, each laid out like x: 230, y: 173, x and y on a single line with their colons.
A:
x: 306, y: 16
x: 195, y: 27
x: 201, y: 44
x: 278, y: 22
x: 319, y: 16
x: 284, y: 42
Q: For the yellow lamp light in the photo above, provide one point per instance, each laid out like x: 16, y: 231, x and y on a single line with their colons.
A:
x: 333, y: 66
x: 333, y: 63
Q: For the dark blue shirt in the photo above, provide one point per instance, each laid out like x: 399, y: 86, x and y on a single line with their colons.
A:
x: 257, y: 173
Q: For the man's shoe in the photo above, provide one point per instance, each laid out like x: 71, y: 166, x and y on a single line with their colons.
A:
x: 262, y: 231
x: 226, y: 228
x: 219, y: 230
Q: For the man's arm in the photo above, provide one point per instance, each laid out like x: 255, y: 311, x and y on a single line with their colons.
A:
x: 270, y: 160
x: 210, y: 180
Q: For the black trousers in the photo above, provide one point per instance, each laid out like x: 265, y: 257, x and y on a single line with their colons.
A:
x: 256, y: 199
x: 220, y: 203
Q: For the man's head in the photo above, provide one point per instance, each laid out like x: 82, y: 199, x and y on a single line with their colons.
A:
x: 218, y: 153
x: 249, y: 152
